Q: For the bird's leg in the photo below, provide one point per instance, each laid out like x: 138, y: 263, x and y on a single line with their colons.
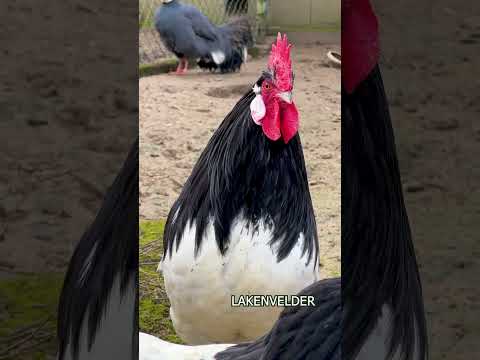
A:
x: 180, y: 67
x: 185, y: 66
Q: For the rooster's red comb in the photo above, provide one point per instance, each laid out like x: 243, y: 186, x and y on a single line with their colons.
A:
x: 280, y: 64
x: 360, y: 44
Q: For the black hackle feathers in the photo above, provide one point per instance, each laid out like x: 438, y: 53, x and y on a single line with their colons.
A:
x: 242, y: 171
x: 378, y: 258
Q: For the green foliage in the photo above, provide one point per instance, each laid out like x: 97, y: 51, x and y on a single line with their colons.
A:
x: 28, y: 315
x: 160, y: 67
x: 154, y: 306
x: 151, y: 231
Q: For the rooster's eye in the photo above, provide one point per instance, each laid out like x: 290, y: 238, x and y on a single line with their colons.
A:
x: 267, y: 86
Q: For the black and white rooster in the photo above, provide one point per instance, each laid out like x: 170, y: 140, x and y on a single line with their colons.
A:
x: 98, y: 309
x: 244, y: 221
x: 188, y: 33
x: 380, y: 304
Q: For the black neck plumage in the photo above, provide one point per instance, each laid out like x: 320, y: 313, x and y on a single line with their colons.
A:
x: 378, y: 258
x: 242, y: 172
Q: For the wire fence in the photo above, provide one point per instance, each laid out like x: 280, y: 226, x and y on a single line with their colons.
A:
x: 151, y: 49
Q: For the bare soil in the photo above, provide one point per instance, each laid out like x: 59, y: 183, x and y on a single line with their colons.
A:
x: 56, y: 115
x: 64, y: 134
x: 150, y: 48
x: 430, y: 67
x: 178, y: 115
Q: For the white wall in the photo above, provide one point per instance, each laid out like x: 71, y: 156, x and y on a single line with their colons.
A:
x: 303, y: 13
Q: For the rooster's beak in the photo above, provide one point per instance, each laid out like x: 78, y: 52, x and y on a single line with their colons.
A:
x: 286, y: 96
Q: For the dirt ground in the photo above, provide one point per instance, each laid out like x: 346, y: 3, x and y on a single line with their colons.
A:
x: 56, y: 117
x: 430, y: 67
x: 179, y: 114
x: 63, y: 131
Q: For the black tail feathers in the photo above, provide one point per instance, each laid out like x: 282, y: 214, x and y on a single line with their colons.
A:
x: 238, y: 33
x: 232, y: 63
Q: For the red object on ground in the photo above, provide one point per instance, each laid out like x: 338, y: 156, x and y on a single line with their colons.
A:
x: 360, y: 43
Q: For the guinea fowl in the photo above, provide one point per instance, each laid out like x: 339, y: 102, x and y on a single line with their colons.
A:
x: 244, y: 221
x: 97, y: 313
x: 188, y: 33
x: 382, y: 314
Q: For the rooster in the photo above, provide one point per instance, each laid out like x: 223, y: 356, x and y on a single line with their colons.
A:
x: 244, y: 221
x: 188, y: 33
x: 97, y: 313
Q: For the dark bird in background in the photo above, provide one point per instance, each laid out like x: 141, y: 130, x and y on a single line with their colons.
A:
x: 97, y: 313
x: 236, y: 7
x: 190, y: 35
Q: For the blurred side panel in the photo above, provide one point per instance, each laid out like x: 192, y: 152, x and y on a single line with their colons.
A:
x: 68, y: 119
x: 430, y: 63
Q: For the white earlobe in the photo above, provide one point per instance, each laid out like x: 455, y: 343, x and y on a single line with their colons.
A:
x: 257, y: 109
